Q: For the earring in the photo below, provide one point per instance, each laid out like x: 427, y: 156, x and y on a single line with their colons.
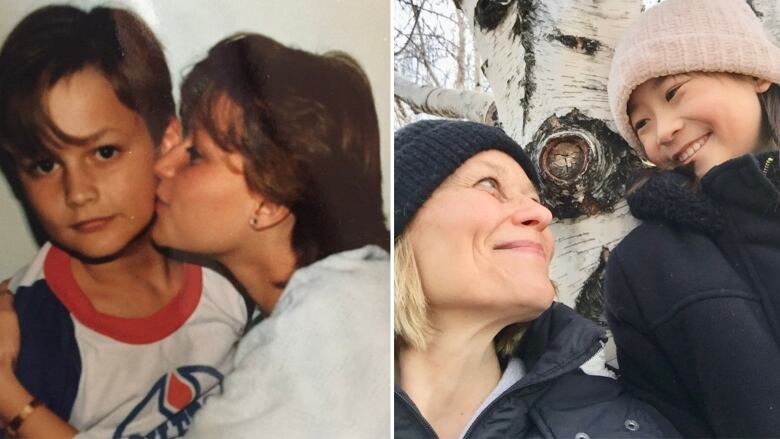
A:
x: 253, y: 222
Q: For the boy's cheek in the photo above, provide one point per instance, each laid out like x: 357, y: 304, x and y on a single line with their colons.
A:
x: 38, y: 191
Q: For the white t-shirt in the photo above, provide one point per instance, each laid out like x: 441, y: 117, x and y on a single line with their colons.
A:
x: 120, y: 377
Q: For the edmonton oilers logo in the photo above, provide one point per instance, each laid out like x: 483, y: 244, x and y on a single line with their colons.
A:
x: 174, y: 398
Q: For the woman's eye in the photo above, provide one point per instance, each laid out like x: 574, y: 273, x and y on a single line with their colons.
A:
x: 671, y: 92
x: 194, y: 154
x: 106, y: 152
x: 489, y: 183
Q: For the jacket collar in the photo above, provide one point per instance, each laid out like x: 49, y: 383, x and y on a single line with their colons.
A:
x: 668, y: 197
x: 558, y: 341
x: 738, y: 183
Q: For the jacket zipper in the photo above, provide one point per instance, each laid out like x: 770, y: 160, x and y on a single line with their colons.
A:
x: 521, y: 386
x: 767, y: 164
x: 417, y: 414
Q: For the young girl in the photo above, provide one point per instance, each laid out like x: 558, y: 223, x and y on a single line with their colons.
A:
x: 691, y: 293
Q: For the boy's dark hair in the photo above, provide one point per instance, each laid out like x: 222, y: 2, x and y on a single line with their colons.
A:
x: 307, y: 129
x: 54, y: 42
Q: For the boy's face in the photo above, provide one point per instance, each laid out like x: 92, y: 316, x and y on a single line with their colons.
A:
x: 93, y: 199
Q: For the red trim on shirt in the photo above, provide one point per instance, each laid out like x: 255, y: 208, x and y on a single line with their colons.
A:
x: 142, y: 330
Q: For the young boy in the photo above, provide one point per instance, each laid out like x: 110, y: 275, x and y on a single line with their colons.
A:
x: 116, y: 338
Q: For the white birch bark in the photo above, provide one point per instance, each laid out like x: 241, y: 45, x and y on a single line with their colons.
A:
x: 769, y: 13
x: 475, y: 106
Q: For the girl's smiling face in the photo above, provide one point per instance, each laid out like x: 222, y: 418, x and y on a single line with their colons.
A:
x: 697, y: 119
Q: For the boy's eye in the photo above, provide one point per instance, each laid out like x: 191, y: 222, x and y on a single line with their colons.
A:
x: 106, y: 152
x: 43, y: 167
x: 194, y: 154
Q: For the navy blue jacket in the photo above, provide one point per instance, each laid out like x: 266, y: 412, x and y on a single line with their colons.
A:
x: 555, y: 399
x: 692, y: 297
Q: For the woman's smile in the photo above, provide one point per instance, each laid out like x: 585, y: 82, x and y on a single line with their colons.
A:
x: 522, y: 246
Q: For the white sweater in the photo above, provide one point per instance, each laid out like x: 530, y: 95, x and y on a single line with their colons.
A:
x: 319, y: 365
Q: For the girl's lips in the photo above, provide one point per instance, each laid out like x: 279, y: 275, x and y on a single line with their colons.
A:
x: 687, y: 154
x: 522, y: 246
x: 92, y: 225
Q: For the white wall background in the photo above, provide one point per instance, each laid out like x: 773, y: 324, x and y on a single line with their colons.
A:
x: 188, y: 28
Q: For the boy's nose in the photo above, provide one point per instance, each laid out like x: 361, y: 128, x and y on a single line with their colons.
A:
x: 79, y: 188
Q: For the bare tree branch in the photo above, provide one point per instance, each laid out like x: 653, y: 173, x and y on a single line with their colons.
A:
x: 457, y: 104
x: 416, y: 16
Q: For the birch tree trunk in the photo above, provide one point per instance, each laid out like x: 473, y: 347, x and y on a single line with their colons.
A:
x: 769, y: 13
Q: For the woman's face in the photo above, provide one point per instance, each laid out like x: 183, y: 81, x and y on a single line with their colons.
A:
x: 482, y: 241
x: 697, y: 120
x: 203, y: 202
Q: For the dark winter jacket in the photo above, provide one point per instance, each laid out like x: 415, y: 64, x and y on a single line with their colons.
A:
x: 693, y: 296
x: 555, y: 398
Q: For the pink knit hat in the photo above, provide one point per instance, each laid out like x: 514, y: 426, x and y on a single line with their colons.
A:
x: 680, y: 36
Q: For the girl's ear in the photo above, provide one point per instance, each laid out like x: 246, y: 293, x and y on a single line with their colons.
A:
x: 267, y: 214
x: 762, y: 85
x: 171, y: 136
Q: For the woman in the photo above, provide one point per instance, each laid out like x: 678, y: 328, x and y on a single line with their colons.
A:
x: 472, y: 251
x: 278, y: 180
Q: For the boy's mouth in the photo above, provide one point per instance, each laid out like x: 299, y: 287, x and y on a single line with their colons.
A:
x: 691, y: 149
x: 92, y: 225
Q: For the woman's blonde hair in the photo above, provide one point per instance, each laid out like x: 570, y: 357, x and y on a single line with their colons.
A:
x: 411, y: 324
x: 411, y: 308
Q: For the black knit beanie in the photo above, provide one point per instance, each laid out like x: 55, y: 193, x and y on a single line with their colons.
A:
x: 428, y: 151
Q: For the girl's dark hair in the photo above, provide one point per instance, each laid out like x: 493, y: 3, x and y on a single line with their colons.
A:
x: 770, y: 108
x: 307, y: 129
x: 54, y: 42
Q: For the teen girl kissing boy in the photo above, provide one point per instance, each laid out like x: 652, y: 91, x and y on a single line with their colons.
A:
x: 692, y: 292
x: 116, y: 338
